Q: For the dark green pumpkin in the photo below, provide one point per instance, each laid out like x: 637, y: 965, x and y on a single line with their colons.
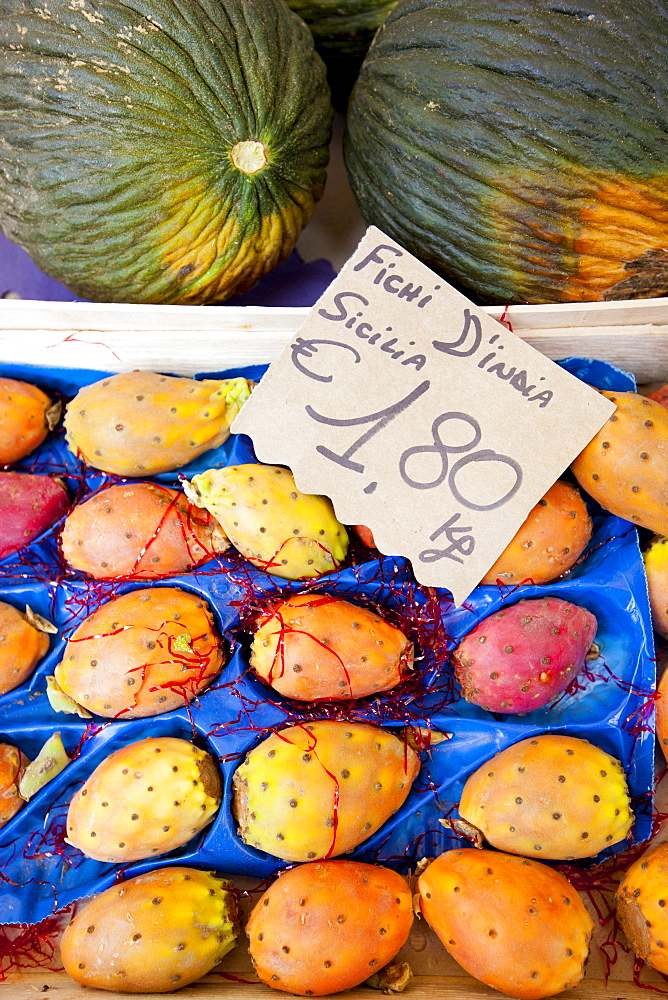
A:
x: 159, y: 150
x: 520, y: 148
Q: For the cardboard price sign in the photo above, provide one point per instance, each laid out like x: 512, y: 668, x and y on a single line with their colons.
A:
x: 419, y: 415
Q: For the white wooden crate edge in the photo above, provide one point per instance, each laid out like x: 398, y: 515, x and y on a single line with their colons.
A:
x: 187, y: 339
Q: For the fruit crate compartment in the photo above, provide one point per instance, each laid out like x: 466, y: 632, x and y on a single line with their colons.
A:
x: 632, y: 335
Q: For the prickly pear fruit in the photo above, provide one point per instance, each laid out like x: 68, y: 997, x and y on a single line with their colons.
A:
x: 549, y: 543
x: 12, y: 765
x: 315, y: 646
x: 365, y: 534
x: 624, y: 466
x: 28, y: 506
x: 23, y: 643
x: 516, y: 925
x: 140, y: 531
x: 641, y: 907
x: 143, y: 653
x: 319, y: 790
x: 141, y: 423
x: 152, y: 934
x: 290, y: 534
x: 662, y: 713
x: 50, y: 761
x: 656, y: 569
x: 26, y: 417
x: 551, y: 796
x: 144, y: 800
x: 326, y: 926
x: 520, y: 658
x: 660, y: 395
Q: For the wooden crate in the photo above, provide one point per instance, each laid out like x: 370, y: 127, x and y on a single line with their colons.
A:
x: 188, y: 339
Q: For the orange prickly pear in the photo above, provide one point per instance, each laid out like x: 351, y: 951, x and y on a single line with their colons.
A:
x: 550, y: 541
x: 656, y: 568
x: 24, y: 641
x: 139, y: 530
x: 290, y: 534
x: 143, y: 653
x: 365, y: 534
x: 662, y: 713
x: 141, y: 423
x: 319, y: 790
x: 26, y: 417
x: 153, y: 933
x: 12, y: 766
x: 624, y: 466
x: 520, y: 658
x: 516, y: 925
x: 144, y: 800
x: 641, y: 907
x: 315, y: 646
x: 550, y: 796
x: 327, y: 926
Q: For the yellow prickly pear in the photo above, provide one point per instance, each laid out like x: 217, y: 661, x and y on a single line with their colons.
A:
x: 551, y: 796
x: 141, y: 423
x: 144, y: 800
x: 516, y: 925
x: 656, y: 568
x: 624, y: 466
x: 154, y: 933
x: 290, y: 534
x: 319, y: 790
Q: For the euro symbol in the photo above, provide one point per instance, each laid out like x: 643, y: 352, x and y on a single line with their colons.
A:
x: 308, y: 348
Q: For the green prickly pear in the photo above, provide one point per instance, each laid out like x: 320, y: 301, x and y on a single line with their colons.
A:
x: 153, y: 933
x: 144, y: 800
x: 319, y: 790
x: 290, y: 534
x: 516, y: 925
x: 551, y: 796
x: 315, y: 646
x: 141, y: 423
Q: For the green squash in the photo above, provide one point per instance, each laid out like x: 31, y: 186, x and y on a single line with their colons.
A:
x: 520, y: 148
x: 159, y: 150
x: 343, y: 31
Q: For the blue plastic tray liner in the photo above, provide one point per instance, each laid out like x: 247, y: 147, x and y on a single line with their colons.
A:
x: 610, y: 703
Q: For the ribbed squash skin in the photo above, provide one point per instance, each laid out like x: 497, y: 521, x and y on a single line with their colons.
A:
x: 520, y: 148
x: 342, y: 27
x: 118, y: 122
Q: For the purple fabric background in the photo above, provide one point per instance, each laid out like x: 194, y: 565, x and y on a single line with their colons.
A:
x: 294, y: 283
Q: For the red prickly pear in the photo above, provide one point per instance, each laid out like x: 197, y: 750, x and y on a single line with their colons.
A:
x: 315, y: 646
x: 318, y: 790
x: 140, y: 423
x: 12, y: 766
x: 24, y: 642
x: 29, y: 504
x: 519, y: 659
x: 143, y: 800
x: 516, y: 925
x: 327, y: 926
x: 550, y: 541
x: 660, y: 395
x: 641, y: 907
x: 624, y: 466
x: 153, y: 933
x: 144, y: 653
x: 26, y: 417
x: 552, y: 796
x: 283, y: 531
x: 140, y: 531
